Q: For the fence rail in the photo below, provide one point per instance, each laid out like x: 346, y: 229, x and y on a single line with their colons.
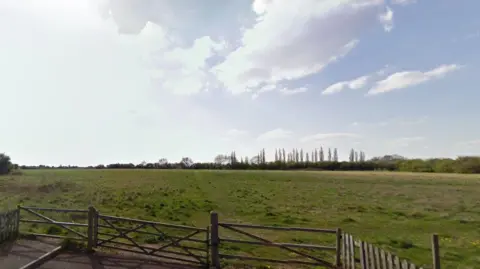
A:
x: 201, y: 246
x: 42, y: 219
x: 174, y: 248
x: 309, y: 259
x: 252, y: 226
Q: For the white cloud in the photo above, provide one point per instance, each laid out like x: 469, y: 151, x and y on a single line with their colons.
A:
x: 283, y: 90
x: 260, y: 6
x: 357, y: 83
x: 405, y: 79
x: 184, y: 70
x: 74, y: 12
x: 264, y: 89
x: 387, y: 19
x: 286, y: 44
x: 275, y: 134
x: 354, y: 84
x: 327, y: 136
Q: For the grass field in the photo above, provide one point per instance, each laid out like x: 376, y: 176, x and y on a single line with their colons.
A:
x: 397, y: 211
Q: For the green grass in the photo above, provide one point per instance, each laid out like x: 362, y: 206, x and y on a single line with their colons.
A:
x: 396, y: 211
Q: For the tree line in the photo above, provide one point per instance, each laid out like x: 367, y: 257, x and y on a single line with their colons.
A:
x: 295, y: 159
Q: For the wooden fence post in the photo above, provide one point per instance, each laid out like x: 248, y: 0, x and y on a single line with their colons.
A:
x: 208, y: 246
x: 95, y: 227
x: 17, y: 222
x: 91, y: 216
x: 363, y: 256
x: 214, y: 239
x: 338, y: 254
x: 435, y: 252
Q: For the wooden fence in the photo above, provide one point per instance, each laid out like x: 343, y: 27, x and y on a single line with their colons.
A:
x: 191, y: 248
x: 69, y: 227
x: 202, y: 246
x: 360, y: 254
x: 113, y: 232
x: 8, y: 225
x: 308, y: 259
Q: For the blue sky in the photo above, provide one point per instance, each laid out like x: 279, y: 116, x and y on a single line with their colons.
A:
x: 88, y: 81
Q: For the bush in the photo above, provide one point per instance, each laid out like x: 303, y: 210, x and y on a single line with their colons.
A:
x: 5, y: 164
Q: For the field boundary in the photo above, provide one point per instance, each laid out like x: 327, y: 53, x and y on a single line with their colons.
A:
x: 349, y: 253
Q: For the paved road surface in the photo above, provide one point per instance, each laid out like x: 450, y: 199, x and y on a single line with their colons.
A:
x: 14, y: 255
x: 106, y: 261
x: 19, y: 253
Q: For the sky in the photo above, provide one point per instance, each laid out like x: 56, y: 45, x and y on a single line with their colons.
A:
x: 87, y: 82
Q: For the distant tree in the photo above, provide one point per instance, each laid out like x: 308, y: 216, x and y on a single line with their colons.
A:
x: 233, y: 158
x: 5, y: 164
x: 296, y: 158
x: 388, y: 158
x: 467, y: 164
x: 322, y: 157
x: 351, y: 157
x: 162, y: 162
x: 222, y: 159
x: 186, y: 162
x: 255, y: 160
